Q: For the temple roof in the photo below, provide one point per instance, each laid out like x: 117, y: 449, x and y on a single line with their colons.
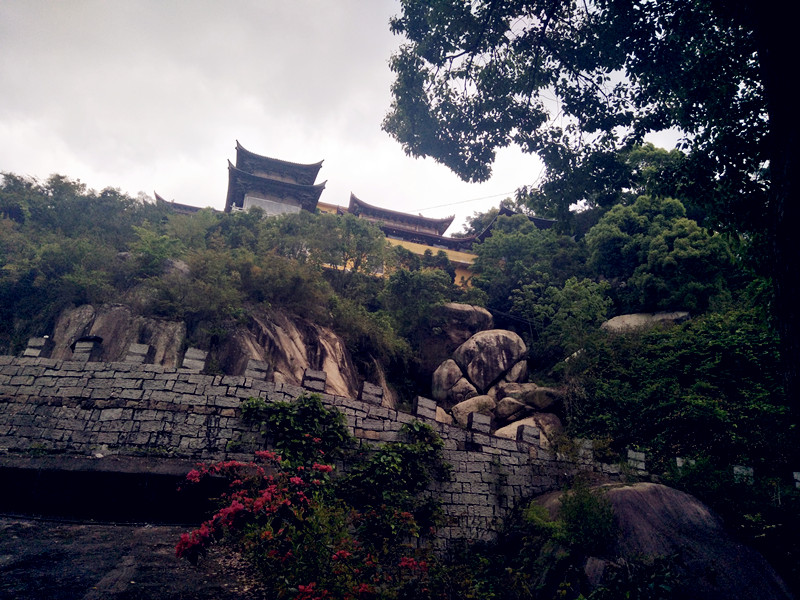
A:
x: 539, y: 222
x: 240, y: 182
x: 429, y: 239
x: 251, y: 162
x: 398, y: 219
x: 184, y: 209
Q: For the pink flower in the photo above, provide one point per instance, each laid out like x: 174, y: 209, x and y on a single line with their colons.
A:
x: 267, y: 455
x: 364, y: 588
x: 322, y: 468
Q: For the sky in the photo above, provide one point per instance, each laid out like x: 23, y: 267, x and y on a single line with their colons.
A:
x: 151, y: 96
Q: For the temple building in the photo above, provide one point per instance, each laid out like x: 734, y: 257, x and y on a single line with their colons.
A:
x: 279, y: 187
x: 275, y: 186
x: 417, y: 234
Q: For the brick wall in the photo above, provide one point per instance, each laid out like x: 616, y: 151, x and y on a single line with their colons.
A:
x: 88, y: 411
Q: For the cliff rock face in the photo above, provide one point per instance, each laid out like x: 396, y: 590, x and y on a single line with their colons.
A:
x: 118, y: 327
x: 290, y: 345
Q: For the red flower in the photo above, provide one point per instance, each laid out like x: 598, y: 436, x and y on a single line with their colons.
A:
x: 267, y: 455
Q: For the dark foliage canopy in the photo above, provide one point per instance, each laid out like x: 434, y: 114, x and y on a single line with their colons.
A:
x: 578, y: 82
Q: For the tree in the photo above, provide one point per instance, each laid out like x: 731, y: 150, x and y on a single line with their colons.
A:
x: 352, y: 246
x: 561, y: 318
x: 410, y: 298
x: 574, y: 82
x: 656, y: 258
x: 518, y: 254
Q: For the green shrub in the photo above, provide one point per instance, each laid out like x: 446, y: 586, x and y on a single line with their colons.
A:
x: 303, y: 430
x: 313, y: 537
x: 588, y: 524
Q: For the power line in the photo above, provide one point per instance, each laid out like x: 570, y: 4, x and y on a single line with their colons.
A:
x: 462, y: 202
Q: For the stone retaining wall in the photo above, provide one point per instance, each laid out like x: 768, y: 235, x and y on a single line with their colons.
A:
x: 92, y: 411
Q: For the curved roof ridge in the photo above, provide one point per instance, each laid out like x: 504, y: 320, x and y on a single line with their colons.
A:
x: 241, y: 148
x: 277, y: 182
x: 440, y: 224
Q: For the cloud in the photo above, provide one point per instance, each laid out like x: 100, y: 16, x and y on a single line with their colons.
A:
x: 152, y: 95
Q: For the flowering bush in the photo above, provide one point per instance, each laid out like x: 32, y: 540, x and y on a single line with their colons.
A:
x: 308, y: 537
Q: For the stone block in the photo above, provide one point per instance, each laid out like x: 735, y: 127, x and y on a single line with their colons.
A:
x: 137, y: 353
x: 425, y: 408
x: 479, y: 422
x: 528, y: 434
x: 371, y: 389
x: 796, y: 476
x: 314, y: 385
x: 87, y: 349
x: 314, y: 375
x: 42, y: 344
x: 194, y: 360
x: 257, y: 369
x: 636, y: 460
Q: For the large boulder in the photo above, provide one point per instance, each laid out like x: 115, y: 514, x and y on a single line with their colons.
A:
x: 548, y: 424
x: 449, y: 385
x: 478, y: 404
x: 486, y: 356
x: 536, y: 396
x: 509, y: 409
x: 518, y: 373
x: 461, y: 321
x: 444, y: 378
x: 655, y: 520
x: 636, y: 321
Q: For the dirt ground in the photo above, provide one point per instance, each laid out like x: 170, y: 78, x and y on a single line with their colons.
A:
x: 61, y: 560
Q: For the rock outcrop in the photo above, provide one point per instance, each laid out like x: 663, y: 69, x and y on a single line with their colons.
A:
x: 290, y: 345
x: 487, y: 374
x: 449, y: 384
x: 119, y: 328
x: 655, y: 520
x: 285, y: 342
x: 635, y: 321
x: 461, y: 321
x: 488, y: 355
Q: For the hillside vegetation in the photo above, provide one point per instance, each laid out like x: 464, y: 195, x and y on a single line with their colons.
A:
x: 708, y: 390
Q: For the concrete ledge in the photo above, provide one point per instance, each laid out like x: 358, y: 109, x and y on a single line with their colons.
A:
x: 107, y: 464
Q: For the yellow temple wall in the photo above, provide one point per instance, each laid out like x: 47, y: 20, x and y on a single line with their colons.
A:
x: 462, y: 261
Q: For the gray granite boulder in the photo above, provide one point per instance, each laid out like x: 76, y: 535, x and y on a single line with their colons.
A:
x: 486, y: 356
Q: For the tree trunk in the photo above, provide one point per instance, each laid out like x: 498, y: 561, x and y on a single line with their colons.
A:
x: 777, y: 50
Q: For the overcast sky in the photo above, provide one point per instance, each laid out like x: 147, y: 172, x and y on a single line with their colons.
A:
x: 151, y: 95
